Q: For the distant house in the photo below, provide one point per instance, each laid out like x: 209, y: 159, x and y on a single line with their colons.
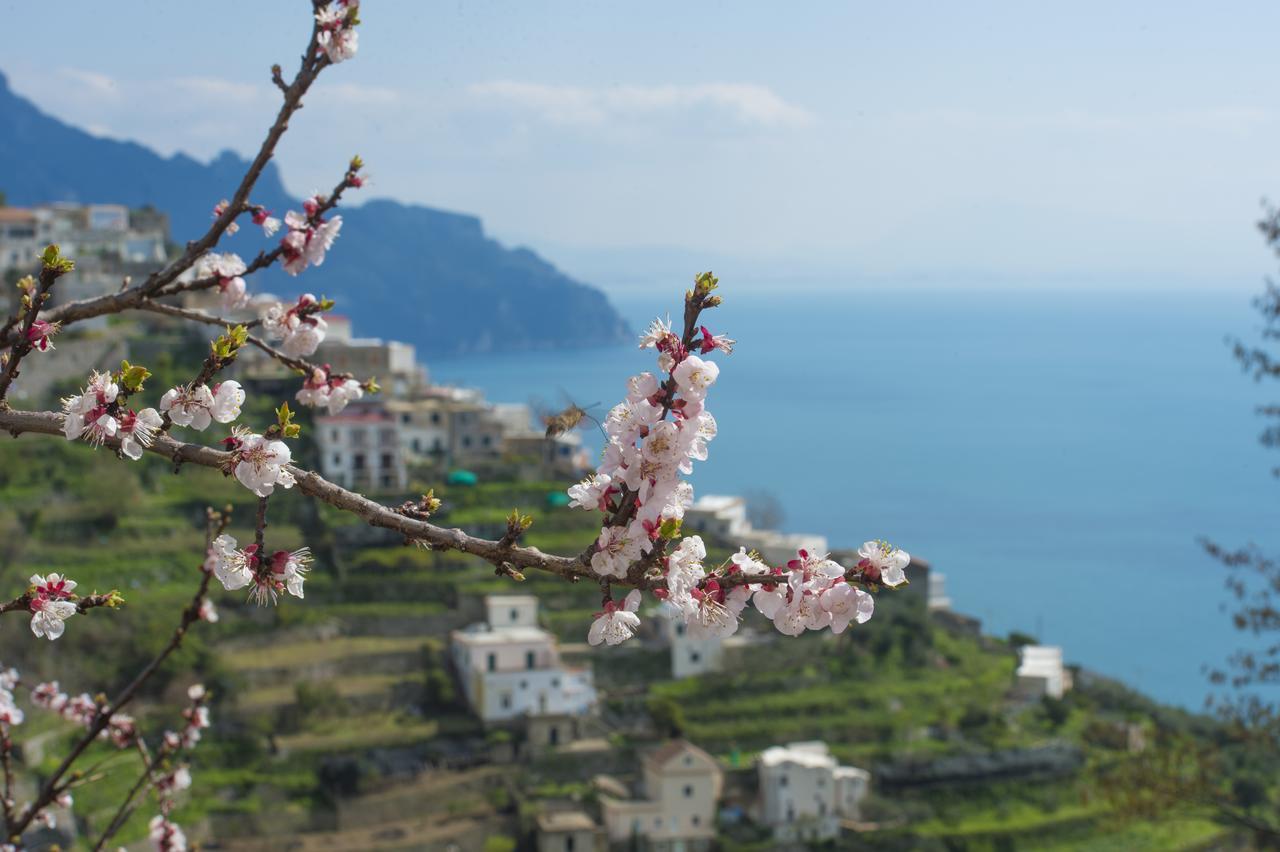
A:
x: 691, y: 656
x: 676, y: 807
x: 804, y: 792
x: 568, y: 831
x: 725, y: 518
x: 392, y: 362
x: 1041, y: 673
x: 360, y: 448
x: 510, y: 668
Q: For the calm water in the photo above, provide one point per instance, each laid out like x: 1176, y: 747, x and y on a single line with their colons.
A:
x: 1055, y: 455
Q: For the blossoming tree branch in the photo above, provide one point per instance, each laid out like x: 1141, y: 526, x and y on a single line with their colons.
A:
x: 654, y: 437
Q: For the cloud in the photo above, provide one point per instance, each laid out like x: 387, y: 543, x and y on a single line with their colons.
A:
x: 94, y: 81
x: 217, y: 89
x: 745, y: 103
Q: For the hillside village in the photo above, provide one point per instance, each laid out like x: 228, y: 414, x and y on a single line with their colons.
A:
x: 415, y: 700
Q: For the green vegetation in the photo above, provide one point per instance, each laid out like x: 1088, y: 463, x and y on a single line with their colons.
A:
x: 311, y: 698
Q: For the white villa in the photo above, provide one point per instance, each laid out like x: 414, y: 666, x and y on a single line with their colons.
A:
x: 510, y: 667
x: 677, y: 810
x: 804, y: 793
x: 1041, y: 673
x: 725, y: 517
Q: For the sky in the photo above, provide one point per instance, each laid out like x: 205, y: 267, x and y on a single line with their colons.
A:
x: 816, y: 144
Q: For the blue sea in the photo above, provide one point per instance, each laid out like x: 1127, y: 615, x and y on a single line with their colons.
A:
x: 1056, y: 454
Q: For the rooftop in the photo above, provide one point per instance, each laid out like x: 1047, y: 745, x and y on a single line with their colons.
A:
x: 483, y: 635
x: 565, y: 821
x: 715, y: 502
x: 813, y: 755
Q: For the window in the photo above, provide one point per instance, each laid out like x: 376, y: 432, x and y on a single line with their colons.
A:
x: 417, y: 445
x: 553, y: 736
x: 782, y: 780
x: 515, y: 615
x: 506, y: 701
x: 493, y: 662
x: 466, y: 440
x: 524, y: 684
x: 357, y: 461
x: 688, y: 791
x: 337, y: 458
x: 388, y: 480
x: 555, y: 683
x: 435, y: 417
x: 333, y: 435
x: 486, y: 440
x: 357, y: 437
x: 530, y: 660
x: 822, y: 808
x: 388, y: 461
x: 679, y: 629
x: 696, y: 820
x: 404, y: 418
x: 568, y: 843
x: 695, y: 657
x: 822, y: 782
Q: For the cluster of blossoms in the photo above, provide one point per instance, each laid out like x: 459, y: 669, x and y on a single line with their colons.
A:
x: 219, y: 209
x: 82, y: 709
x: 166, y: 836
x: 299, y: 328
x: 10, y: 712
x: 95, y: 415
x: 258, y: 461
x: 197, y: 406
x: 228, y: 269
x: 322, y: 389
x: 638, y: 487
x: 51, y: 605
x: 270, y: 576
x: 197, y: 716
x: 338, y: 38
x: 310, y: 236
x: 646, y: 453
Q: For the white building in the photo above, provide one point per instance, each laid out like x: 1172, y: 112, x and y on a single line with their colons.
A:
x: 509, y: 667
x: 804, y: 793
x: 677, y: 808
x: 1041, y: 673
x: 393, y: 363
x: 568, y: 831
x: 937, y: 594
x: 725, y: 518
x: 689, y: 656
x: 360, y: 448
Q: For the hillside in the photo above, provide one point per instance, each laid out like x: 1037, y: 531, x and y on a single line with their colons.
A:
x: 427, y: 276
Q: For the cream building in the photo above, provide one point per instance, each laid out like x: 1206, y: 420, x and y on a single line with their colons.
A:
x: 725, y: 518
x: 804, y: 792
x: 360, y: 448
x: 677, y: 806
x: 509, y: 667
x: 1041, y: 673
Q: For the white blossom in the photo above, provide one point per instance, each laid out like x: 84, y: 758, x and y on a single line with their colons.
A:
x: 189, y: 406
x: 137, y: 431
x: 883, y: 562
x: 617, y: 623
x: 261, y: 464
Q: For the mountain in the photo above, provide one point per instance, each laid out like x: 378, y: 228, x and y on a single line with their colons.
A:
x: 400, y: 271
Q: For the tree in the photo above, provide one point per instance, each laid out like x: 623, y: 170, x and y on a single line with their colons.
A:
x: 655, y: 434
